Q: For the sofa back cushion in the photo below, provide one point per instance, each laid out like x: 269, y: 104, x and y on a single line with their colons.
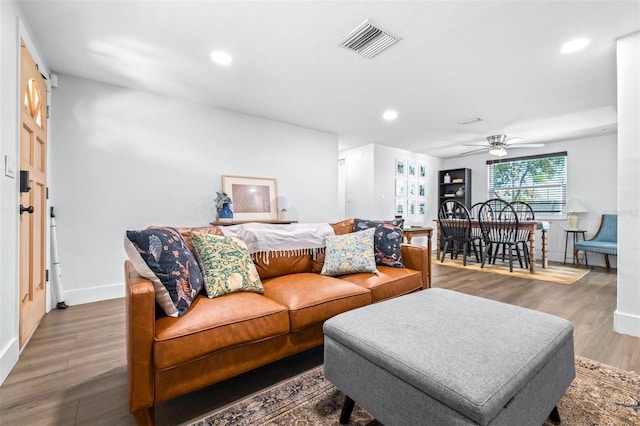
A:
x: 274, y: 265
x: 184, y: 231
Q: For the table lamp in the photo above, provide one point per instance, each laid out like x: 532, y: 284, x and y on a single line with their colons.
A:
x: 284, y: 203
x: 573, y: 207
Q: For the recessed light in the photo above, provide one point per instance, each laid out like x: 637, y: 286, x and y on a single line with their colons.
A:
x: 221, y: 58
x: 575, y: 45
x: 390, y: 115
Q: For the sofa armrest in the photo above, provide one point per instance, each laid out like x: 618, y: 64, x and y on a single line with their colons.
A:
x: 141, y: 320
x: 418, y: 258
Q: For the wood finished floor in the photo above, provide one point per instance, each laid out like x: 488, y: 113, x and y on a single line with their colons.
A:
x: 73, y: 371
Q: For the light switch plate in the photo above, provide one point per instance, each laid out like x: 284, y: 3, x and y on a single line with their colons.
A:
x: 9, y: 166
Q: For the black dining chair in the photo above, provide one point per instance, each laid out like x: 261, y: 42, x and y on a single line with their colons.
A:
x: 498, y: 230
x: 476, y: 233
x: 491, y: 211
x: 455, y: 230
x: 525, y: 212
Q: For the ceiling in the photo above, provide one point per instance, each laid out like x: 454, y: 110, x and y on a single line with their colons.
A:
x: 497, y: 60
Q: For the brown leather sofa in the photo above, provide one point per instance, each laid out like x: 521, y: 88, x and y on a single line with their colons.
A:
x: 225, y: 336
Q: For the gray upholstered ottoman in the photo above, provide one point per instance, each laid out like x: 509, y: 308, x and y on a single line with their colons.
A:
x: 438, y: 357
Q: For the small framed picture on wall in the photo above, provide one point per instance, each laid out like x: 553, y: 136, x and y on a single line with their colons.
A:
x: 422, y: 171
x: 412, y: 171
x: 422, y: 189
x: 400, y: 167
x: 412, y: 189
x: 411, y: 207
x: 400, y: 188
x: 422, y: 208
x: 400, y: 207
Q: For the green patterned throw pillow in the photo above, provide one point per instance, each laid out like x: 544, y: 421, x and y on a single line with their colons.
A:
x: 226, y: 264
x: 349, y: 253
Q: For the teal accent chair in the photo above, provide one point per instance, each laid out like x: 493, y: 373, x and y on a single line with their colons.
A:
x: 605, y: 241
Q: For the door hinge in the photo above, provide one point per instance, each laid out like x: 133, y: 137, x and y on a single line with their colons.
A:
x: 48, y: 111
x: 46, y: 275
x: 47, y: 192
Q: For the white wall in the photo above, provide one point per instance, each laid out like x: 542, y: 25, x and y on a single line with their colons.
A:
x: 359, y: 181
x: 370, y: 184
x: 385, y: 158
x: 591, y: 176
x: 127, y: 159
x: 627, y: 315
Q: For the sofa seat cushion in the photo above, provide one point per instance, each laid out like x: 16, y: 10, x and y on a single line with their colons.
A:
x: 219, y: 323
x: 313, y: 298
x: 389, y: 282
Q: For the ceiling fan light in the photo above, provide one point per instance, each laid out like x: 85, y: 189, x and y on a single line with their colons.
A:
x: 498, y: 151
x: 497, y: 139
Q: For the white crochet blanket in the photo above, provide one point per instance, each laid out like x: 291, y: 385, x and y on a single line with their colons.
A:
x: 281, y: 240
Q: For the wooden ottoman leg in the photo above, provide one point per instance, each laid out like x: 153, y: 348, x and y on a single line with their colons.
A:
x: 554, y: 416
x: 347, y: 408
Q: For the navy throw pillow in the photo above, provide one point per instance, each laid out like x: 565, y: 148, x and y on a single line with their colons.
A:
x: 162, y: 256
x: 387, y: 240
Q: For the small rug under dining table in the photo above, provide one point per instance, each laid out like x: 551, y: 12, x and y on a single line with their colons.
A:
x: 554, y: 273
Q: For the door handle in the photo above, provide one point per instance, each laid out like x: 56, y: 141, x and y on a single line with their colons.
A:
x: 26, y: 209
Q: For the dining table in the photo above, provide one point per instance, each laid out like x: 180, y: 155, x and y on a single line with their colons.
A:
x: 527, y: 225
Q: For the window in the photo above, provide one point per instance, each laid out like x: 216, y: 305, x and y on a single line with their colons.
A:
x: 33, y: 102
x: 539, y: 180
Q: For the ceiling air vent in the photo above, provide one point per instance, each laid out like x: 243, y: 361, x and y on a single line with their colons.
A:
x: 368, y: 40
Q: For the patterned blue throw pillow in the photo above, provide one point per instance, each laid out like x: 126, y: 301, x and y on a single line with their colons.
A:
x: 162, y: 256
x: 387, y: 240
x: 349, y: 254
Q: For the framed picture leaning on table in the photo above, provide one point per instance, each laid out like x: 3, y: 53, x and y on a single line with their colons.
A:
x: 254, y: 198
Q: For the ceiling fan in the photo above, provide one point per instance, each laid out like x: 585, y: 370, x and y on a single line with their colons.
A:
x: 497, y: 145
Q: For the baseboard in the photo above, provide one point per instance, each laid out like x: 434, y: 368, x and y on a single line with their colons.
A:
x: 94, y: 294
x: 8, y: 359
x: 626, y: 324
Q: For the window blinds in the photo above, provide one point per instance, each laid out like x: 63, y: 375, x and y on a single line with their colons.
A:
x: 539, y: 180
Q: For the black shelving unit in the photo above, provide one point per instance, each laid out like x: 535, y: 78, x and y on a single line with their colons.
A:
x: 459, y: 180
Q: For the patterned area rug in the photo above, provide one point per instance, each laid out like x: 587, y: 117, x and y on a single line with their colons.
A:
x: 555, y: 273
x: 599, y: 395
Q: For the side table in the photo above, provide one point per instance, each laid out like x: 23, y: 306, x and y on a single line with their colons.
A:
x: 575, y: 233
x: 421, y: 231
x: 416, y: 231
